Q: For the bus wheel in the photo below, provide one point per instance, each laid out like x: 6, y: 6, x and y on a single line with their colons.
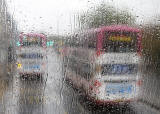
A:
x: 39, y: 77
x: 22, y: 76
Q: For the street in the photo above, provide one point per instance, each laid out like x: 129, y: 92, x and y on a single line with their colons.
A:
x: 52, y: 95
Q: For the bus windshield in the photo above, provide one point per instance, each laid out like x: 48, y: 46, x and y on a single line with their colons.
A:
x: 120, y: 42
x: 31, y: 41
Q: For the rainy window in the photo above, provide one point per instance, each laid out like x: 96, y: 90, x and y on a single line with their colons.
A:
x: 79, y: 56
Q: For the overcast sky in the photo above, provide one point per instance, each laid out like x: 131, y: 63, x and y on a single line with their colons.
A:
x: 57, y: 16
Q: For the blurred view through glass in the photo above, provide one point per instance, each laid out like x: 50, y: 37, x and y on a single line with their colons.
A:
x: 79, y: 57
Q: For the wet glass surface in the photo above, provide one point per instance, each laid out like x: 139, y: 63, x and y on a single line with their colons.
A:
x: 79, y: 56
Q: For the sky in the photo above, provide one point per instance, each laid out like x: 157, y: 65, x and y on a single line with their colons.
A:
x: 59, y: 16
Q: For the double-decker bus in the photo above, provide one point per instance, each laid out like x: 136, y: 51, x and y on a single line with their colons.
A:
x: 31, y: 60
x: 105, y: 63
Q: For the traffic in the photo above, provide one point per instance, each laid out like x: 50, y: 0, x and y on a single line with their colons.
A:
x: 79, y: 57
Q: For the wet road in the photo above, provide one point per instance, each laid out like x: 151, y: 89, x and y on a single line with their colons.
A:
x: 52, y: 96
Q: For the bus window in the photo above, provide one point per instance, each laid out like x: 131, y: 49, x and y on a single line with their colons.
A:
x: 31, y: 41
x: 120, y: 42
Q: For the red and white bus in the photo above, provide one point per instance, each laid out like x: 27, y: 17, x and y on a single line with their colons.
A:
x: 105, y: 63
x: 31, y: 60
